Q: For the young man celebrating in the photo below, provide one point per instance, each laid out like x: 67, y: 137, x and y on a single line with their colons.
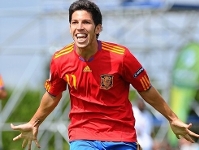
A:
x: 98, y: 75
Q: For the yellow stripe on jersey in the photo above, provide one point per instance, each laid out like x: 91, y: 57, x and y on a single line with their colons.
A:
x: 74, y: 81
x: 113, y: 48
x: 67, y: 79
x: 145, y: 82
x: 47, y: 85
x: 67, y: 49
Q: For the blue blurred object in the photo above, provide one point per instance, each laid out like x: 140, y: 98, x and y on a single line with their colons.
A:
x: 143, y: 3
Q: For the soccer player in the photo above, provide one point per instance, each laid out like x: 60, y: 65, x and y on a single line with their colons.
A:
x: 3, y: 92
x: 98, y: 75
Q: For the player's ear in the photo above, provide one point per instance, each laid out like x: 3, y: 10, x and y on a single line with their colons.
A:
x: 98, y: 29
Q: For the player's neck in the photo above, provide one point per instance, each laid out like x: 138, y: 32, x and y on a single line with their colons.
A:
x: 87, y: 52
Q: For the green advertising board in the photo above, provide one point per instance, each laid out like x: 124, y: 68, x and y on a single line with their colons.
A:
x: 185, y: 82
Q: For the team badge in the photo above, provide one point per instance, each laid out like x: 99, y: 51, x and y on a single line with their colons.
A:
x: 106, y: 81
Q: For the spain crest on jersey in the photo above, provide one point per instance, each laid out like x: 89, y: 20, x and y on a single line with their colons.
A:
x: 106, y: 81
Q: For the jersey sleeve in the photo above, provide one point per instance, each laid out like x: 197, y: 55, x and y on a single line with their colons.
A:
x: 55, y: 84
x: 134, y: 72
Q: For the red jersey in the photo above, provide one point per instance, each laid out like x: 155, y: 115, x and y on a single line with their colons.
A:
x: 99, y: 91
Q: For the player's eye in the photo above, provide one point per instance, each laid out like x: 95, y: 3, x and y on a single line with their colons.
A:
x: 74, y: 22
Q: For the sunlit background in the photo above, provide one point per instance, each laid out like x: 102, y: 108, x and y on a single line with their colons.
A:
x: 162, y: 34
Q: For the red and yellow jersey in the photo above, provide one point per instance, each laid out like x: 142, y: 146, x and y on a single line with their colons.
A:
x: 99, y: 91
x: 1, y: 82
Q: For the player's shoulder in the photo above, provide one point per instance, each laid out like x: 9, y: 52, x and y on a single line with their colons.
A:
x: 113, y: 47
x: 64, y: 51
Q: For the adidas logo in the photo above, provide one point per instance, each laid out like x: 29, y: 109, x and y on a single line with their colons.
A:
x: 87, y: 69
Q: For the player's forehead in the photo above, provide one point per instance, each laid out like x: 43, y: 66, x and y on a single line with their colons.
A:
x: 81, y: 15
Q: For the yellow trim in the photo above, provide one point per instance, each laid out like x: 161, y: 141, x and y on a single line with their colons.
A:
x: 143, y: 85
x: 47, y: 85
x: 145, y: 82
x: 64, y: 51
x: 113, y: 48
x: 74, y: 81
x: 67, y: 79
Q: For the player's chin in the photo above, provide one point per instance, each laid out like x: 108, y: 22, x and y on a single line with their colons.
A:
x: 81, y: 45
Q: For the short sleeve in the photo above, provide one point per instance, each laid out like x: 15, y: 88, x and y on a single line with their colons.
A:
x: 55, y: 84
x: 134, y: 73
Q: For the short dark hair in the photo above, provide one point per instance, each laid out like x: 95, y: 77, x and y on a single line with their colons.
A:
x: 88, y: 6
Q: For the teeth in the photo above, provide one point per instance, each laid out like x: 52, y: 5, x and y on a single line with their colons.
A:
x: 80, y: 35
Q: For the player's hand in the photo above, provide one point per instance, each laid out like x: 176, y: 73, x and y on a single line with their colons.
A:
x: 28, y: 133
x: 182, y: 130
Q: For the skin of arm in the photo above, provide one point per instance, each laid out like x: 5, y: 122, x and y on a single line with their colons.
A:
x: 29, y: 130
x: 179, y: 128
x: 153, y: 98
x: 47, y: 105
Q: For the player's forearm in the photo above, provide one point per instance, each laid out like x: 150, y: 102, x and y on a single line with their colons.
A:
x: 47, y: 105
x: 153, y: 97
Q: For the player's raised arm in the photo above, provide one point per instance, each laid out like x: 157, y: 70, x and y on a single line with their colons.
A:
x: 179, y: 128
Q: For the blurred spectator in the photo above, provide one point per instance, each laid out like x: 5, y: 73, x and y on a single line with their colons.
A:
x: 3, y: 92
x: 143, y: 125
x: 162, y: 145
x: 186, y: 145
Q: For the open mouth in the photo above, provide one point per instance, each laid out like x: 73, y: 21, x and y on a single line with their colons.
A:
x: 81, y: 37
